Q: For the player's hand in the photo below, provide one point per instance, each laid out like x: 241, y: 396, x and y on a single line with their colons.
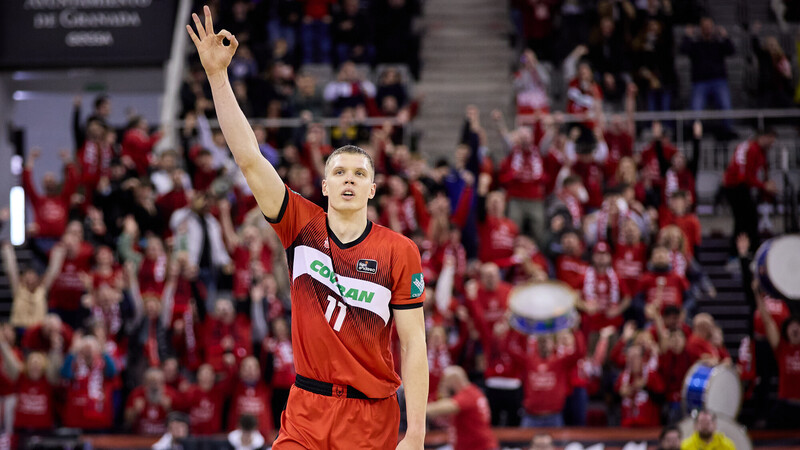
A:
x: 410, y: 442
x: 214, y: 54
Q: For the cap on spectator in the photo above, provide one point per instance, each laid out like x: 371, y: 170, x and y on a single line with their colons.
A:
x: 601, y: 247
x: 177, y: 416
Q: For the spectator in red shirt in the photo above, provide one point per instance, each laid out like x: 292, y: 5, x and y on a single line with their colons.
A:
x: 204, y: 401
x: 680, y: 178
x: 584, y: 96
x: 570, y: 268
x: 487, y: 300
x: 548, y: 381
x: 666, y: 321
x: 637, y: 385
x: 660, y: 284
x: 619, y: 137
x: 148, y: 405
x: 137, y: 145
x: 527, y: 263
x: 68, y: 287
x: 204, y: 173
x: 43, y: 337
x: 572, y: 199
x: 88, y: 373
x: 226, y: 336
x: 250, y: 253
x: 786, y: 345
x: 655, y: 158
x: 51, y: 209
x: 278, y: 359
x: 673, y: 364
x: 503, y: 376
x: 524, y: 179
x: 630, y: 257
x: 496, y: 232
x: 469, y: 409
x: 95, y: 155
x: 34, y: 384
x: 251, y: 396
x: 678, y: 213
x: 700, y: 346
x: 602, y: 304
x: 747, y: 170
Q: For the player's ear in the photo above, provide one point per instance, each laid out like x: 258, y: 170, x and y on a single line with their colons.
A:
x: 324, y: 187
x: 372, y: 189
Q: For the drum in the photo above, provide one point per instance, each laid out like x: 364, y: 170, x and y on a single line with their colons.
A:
x: 728, y: 427
x: 716, y: 389
x: 540, y: 308
x: 775, y: 264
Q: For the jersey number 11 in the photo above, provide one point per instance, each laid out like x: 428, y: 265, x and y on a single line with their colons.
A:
x: 332, y: 302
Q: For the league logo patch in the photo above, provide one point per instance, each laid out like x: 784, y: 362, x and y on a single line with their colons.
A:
x: 367, y: 266
x: 417, y: 285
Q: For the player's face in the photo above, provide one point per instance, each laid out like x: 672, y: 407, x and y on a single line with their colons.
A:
x: 349, y: 182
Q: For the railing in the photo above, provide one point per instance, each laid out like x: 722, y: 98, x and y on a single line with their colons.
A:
x: 713, y: 155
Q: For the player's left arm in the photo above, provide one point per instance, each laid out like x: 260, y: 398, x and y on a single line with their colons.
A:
x: 414, y: 367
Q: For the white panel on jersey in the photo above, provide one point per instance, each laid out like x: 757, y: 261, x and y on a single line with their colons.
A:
x: 354, y: 292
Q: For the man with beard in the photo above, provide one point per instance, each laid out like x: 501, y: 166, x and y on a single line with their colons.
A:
x: 705, y: 435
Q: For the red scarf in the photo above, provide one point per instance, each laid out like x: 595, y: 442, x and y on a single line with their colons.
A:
x: 90, y: 382
x: 590, y: 281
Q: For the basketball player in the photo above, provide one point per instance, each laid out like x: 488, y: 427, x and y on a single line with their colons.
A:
x: 350, y: 280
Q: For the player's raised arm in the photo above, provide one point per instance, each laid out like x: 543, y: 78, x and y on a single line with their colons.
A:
x: 215, y: 57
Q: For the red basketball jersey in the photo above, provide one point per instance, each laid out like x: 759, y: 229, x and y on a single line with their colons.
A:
x: 343, y: 296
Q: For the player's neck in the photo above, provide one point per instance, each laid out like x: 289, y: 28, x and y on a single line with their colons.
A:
x: 348, y: 225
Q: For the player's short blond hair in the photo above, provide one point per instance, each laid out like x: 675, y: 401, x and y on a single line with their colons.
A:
x: 352, y: 149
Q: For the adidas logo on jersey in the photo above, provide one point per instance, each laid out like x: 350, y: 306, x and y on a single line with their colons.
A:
x: 367, y: 266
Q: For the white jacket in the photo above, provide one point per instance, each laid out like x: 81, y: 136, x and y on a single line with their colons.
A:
x: 193, y: 234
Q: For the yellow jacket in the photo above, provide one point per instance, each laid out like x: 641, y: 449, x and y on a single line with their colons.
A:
x: 718, y: 442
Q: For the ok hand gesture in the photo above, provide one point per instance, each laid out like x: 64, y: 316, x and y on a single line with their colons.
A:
x: 214, y: 54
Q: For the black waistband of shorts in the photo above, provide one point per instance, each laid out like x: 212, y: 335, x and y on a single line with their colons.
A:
x: 328, y: 389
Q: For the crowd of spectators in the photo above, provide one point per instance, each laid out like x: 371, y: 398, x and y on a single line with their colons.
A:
x: 158, y: 287
x: 279, y: 40
x: 614, y: 45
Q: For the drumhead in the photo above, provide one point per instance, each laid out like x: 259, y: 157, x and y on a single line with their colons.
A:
x: 731, y: 429
x: 782, y: 262
x: 716, y: 388
x: 542, y: 301
x: 724, y: 393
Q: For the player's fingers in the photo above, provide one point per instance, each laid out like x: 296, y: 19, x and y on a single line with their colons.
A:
x: 192, y: 35
x: 234, y: 42
x: 201, y: 32
x: 209, y: 22
x: 225, y: 34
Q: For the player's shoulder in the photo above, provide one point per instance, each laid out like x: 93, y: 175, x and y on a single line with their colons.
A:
x: 387, y: 238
